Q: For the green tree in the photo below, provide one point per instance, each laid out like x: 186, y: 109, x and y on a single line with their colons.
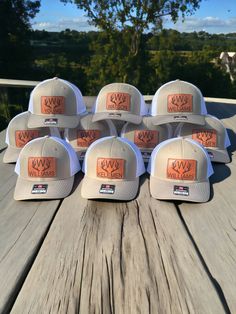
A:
x: 15, y: 52
x: 134, y: 16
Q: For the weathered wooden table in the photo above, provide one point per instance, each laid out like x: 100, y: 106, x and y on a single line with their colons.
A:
x: 142, y: 256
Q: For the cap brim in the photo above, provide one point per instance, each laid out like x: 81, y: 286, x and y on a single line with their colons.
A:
x: 123, y: 190
x: 62, y: 121
x: 11, y: 154
x: 124, y: 116
x: 218, y: 155
x: 181, y: 117
x: 164, y: 190
x: 55, y: 189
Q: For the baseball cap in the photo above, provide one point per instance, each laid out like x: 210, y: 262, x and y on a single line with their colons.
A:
x: 87, y: 132
x: 18, y: 135
x: 112, y: 167
x: 46, y: 167
x: 120, y: 101
x: 213, y: 136
x: 178, y: 101
x: 55, y: 102
x: 146, y: 135
x: 179, y: 170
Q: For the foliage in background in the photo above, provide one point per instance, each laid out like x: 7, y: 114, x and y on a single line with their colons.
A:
x: 15, y: 25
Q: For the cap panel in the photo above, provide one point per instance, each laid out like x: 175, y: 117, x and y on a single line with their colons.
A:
x: 213, y: 136
x: 187, y: 160
x: 120, y: 101
x: 118, y: 97
x: 109, y: 157
x: 44, y: 159
x: 146, y: 135
x: 18, y: 133
x: 54, y: 96
x: 178, y: 97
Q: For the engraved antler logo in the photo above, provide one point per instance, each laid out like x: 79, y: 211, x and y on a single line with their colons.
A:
x: 179, y: 101
x: 88, y: 136
x: 146, y: 137
x: 117, y: 99
x: 41, y: 165
x: 204, y: 136
x: 181, y: 167
x: 110, y: 166
x: 52, y: 104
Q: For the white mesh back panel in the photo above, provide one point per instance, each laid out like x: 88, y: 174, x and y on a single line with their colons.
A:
x: 74, y: 162
x: 227, y: 140
x: 151, y: 163
x: 140, y: 164
x: 81, y: 108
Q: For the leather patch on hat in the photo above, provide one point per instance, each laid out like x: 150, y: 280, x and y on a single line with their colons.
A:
x: 180, y: 103
x: 52, y: 104
x: 181, y: 169
x: 146, y: 138
x: 118, y: 101
x: 207, y: 138
x: 42, y: 167
x: 110, y: 168
x: 87, y: 137
x: 22, y: 137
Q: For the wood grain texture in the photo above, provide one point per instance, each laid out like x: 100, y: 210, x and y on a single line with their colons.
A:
x: 213, y: 225
x: 3, y: 145
x: 22, y: 228
x: 117, y: 257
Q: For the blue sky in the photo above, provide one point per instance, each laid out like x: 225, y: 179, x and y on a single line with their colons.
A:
x: 214, y: 16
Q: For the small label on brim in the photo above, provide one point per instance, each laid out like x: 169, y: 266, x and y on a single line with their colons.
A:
x: 107, y: 189
x: 181, y: 190
x: 39, y: 189
x: 146, y: 155
x: 82, y: 155
x: 114, y: 114
x: 180, y: 118
x: 51, y: 121
x: 210, y: 154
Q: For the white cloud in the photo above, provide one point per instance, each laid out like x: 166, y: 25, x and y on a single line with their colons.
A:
x: 209, y: 24
x: 79, y: 24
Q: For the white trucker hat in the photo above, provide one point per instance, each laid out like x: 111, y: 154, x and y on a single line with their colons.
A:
x: 180, y: 170
x: 56, y: 103
x: 213, y: 136
x: 120, y: 101
x: 88, y: 132
x: 18, y: 135
x: 178, y: 101
x: 112, y: 167
x: 46, y: 167
x: 146, y: 135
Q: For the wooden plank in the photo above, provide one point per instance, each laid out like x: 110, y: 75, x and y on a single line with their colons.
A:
x: 117, y: 257
x: 213, y: 225
x: 23, y: 226
x: 3, y: 145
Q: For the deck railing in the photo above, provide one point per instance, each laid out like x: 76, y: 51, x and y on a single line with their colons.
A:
x: 13, y: 103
